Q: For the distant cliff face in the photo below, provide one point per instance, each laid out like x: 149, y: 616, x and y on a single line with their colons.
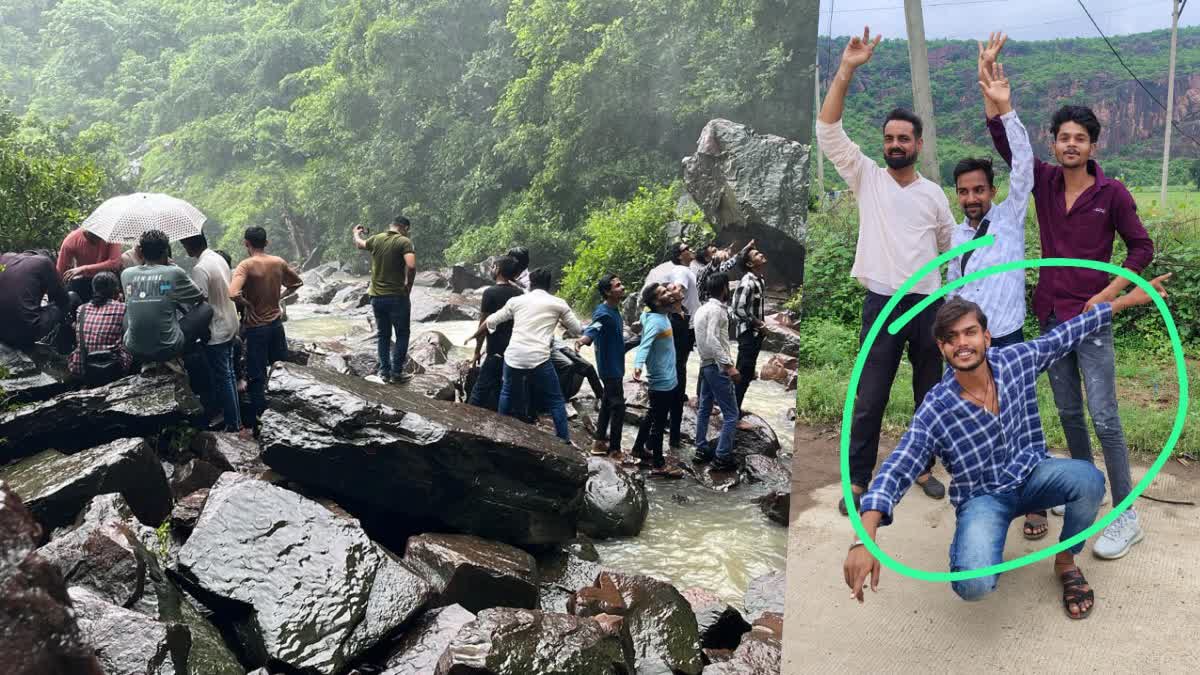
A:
x: 1129, y: 116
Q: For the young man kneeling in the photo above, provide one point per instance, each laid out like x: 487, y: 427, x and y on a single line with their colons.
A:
x: 982, y: 421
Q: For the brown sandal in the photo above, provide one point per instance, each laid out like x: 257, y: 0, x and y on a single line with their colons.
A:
x: 1030, y: 528
x: 1073, y: 593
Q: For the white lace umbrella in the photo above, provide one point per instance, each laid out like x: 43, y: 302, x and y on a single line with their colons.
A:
x: 123, y: 219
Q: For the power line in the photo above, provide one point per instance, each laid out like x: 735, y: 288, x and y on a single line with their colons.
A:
x: 1170, y: 115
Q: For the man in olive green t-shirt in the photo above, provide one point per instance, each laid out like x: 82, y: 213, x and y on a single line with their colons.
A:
x: 393, y: 268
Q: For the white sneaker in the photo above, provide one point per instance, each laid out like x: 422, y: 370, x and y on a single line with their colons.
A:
x: 1118, y: 537
x: 1062, y: 508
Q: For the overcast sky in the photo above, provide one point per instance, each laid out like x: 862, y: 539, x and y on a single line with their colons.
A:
x: 1021, y: 19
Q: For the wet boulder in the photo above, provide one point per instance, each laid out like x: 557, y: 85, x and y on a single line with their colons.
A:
x: 194, y: 474
x: 228, y: 452
x: 430, y: 349
x: 614, y: 501
x: 721, y: 626
x: 423, y: 644
x: 187, y: 511
x: 565, y: 569
x: 756, y: 185
x: 758, y: 439
x: 776, y: 506
x: 770, y: 471
x: 56, y: 487
x: 473, y: 572
x: 782, y: 336
x: 133, y: 406
x: 467, y: 277
x: 506, y: 641
x: 779, y: 368
x: 352, y: 294
x: 40, y: 633
x: 765, y: 594
x: 394, y: 453
x: 296, y: 583
x: 659, y: 622
x: 761, y: 650
x: 128, y: 642
x: 431, y: 279
x: 22, y: 379
x: 435, y: 305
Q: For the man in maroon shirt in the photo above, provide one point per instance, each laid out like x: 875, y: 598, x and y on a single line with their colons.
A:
x: 82, y: 256
x: 1080, y: 211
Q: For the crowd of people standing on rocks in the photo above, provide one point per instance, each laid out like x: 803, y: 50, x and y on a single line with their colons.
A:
x: 116, y: 312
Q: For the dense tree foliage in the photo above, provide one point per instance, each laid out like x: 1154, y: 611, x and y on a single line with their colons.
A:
x: 485, y: 121
x: 47, y: 184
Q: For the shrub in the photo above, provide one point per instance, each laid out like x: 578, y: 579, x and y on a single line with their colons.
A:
x: 625, y: 239
x: 528, y: 222
x: 829, y: 292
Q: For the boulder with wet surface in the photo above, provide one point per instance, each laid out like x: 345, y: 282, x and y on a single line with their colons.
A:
x: 473, y: 572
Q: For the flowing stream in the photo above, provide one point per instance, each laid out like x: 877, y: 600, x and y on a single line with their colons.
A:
x: 693, y: 536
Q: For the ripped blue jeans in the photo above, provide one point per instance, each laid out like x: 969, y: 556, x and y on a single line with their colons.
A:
x: 1092, y: 367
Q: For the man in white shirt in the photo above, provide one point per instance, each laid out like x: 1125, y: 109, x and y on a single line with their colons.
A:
x: 212, y: 275
x: 527, y: 366
x: 904, y: 222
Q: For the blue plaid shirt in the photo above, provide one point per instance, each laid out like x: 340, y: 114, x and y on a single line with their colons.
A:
x: 984, y: 453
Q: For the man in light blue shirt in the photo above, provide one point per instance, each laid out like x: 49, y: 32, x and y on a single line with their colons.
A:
x: 1002, y: 296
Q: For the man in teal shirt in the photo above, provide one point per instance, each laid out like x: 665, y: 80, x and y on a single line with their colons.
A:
x: 656, y: 354
x: 156, y: 293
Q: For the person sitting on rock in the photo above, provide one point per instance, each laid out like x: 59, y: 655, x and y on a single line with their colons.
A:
x: 656, y: 354
x: 259, y: 284
x: 521, y: 255
x: 749, y: 314
x: 82, y: 256
x: 100, y: 356
x: 156, y: 294
x: 681, y: 335
x: 393, y: 269
x: 982, y: 421
x: 718, y: 374
x: 528, y: 370
x: 606, y: 333
x: 25, y: 279
x: 486, y: 391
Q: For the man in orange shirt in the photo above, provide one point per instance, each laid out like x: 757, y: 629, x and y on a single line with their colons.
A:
x: 259, y: 283
x: 82, y: 256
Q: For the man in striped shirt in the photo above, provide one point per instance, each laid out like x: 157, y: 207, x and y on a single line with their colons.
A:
x: 982, y: 421
x: 749, y: 314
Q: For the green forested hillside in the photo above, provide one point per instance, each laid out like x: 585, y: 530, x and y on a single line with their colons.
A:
x: 503, y: 119
x: 1045, y: 75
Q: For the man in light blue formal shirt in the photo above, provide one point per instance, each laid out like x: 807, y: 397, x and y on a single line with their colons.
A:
x: 1002, y: 296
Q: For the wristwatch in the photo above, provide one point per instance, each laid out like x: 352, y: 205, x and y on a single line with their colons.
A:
x: 857, y: 542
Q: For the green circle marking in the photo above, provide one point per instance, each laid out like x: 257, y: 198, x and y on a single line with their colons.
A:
x: 848, y: 408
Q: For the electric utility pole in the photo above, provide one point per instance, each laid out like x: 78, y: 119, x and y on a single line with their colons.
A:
x: 816, y: 142
x: 918, y: 59
x: 1170, y: 116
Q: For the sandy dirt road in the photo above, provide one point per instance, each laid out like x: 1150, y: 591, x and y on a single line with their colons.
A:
x: 1147, y: 604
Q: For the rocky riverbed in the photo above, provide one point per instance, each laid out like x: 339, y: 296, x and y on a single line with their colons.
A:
x: 374, y: 529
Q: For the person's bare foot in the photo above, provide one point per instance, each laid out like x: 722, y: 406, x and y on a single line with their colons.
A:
x: 246, y: 434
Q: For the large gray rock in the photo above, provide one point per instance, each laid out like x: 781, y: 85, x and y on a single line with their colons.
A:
x: 56, y: 486
x: 467, y: 277
x: 721, y: 625
x: 392, y: 453
x: 753, y: 185
x: 433, y: 305
x: 564, y: 570
x: 473, y: 572
x: 107, y: 555
x: 659, y: 622
x: 782, y: 337
x: 23, y: 380
x: 614, y: 501
x: 313, y: 591
x: 39, y: 632
x: 227, y: 451
x: 765, y: 594
x: 423, y: 644
x: 522, y: 642
x: 760, y: 652
x: 133, y: 406
x: 128, y: 642
x: 430, y: 349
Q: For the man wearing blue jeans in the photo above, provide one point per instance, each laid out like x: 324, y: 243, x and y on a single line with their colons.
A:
x: 393, y: 268
x: 527, y: 366
x: 717, y: 374
x: 212, y: 275
x: 982, y: 421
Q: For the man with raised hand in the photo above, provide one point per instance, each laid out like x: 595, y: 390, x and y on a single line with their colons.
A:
x: 1001, y: 296
x: 982, y: 421
x: 904, y: 221
x: 1080, y: 212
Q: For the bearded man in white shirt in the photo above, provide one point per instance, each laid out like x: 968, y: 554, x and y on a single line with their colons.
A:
x: 904, y: 222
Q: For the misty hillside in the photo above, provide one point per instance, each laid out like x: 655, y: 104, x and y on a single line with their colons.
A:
x: 1045, y: 75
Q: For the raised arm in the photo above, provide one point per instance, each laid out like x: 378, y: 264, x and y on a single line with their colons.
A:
x: 996, y: 90
x: 835, y: 144
x: 987, y: 57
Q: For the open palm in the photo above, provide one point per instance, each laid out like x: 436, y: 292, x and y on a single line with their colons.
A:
x: 989, y: 54
x: 859, y: 50
x: 995, y: 85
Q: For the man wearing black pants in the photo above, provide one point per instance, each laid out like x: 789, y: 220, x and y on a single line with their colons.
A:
x: 683, y: 339
x: 486, y: 392
x: 749, y: 313
x: 904, y: 221
x: 606, y: 333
